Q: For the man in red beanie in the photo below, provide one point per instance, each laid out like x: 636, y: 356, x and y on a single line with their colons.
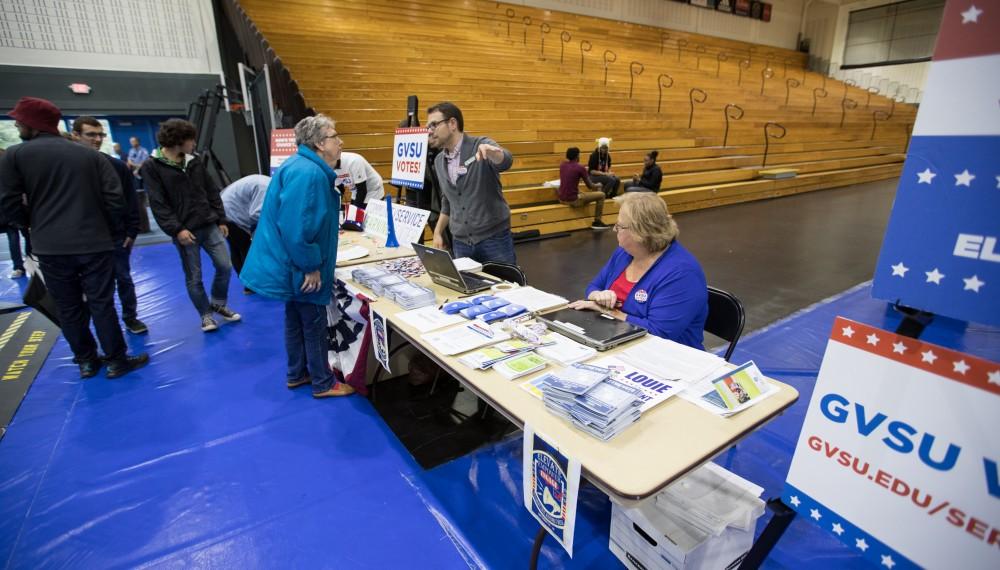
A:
x: 74, y: 197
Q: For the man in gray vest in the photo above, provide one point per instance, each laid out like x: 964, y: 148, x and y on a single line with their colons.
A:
x: 472, y: 202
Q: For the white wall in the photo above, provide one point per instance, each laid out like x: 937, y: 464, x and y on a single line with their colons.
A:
x: 821, y: 27
x: 159, y: 36
x: 782, y: 31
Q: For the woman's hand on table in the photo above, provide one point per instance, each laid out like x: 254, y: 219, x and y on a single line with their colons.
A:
x: 606, y: 299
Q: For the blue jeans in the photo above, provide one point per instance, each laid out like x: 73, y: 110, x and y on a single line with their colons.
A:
x: 210, y: 239
x: 499, y: 247
x: 14, y: 243
x: 306, y: 344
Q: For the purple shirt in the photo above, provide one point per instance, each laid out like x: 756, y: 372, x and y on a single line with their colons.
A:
x: 570, y: 174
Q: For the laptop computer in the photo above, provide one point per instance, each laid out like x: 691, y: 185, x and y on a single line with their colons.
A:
x: 591, y: 328
x: 441, y: 267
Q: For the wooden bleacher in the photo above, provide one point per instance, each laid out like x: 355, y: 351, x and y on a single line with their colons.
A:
x: 358, y: 60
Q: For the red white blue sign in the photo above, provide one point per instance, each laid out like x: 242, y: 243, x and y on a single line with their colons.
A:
x: 550, y: 487
x: 898, y: 455
x: 409, y: 157
x: 941, y: 252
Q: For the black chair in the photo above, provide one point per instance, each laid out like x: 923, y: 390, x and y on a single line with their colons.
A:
x: 725, y: 318
x: 505, y: 271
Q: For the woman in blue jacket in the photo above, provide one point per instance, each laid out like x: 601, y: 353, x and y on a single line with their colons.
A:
x: 294, y: 252
x: 651, y: 280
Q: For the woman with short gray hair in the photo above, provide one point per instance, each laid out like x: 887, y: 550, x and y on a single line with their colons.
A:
x: 295, y: 263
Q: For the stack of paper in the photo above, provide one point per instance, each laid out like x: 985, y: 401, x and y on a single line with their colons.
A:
x: 710, y: 499
x: 565, y: 351
x: 486, y: 357
x: 464, y: 338
x: 409, y: 295
x: 520, y: 365
x: 468, y: 264
x: 728, y: 390
x: 589, y: 398
x: 428, y: 319
x: 378, y: 285
x: 532, y: 299
x: 671, y: 360
x: 351, y: 252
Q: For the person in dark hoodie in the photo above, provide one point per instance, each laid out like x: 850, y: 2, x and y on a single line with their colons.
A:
x: 89, y: 131
x: 73, y: 199
x: 186, y: 204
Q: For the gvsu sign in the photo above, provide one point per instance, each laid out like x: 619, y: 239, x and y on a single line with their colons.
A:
x: 409, y: 157
x: 899, y: 450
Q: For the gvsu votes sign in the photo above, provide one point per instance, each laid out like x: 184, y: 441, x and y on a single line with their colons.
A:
x: 899, y: 450
x: 409, y: 157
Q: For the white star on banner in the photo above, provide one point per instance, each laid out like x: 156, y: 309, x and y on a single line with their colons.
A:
x: 994, y: 377
x: 873, y: 339
x: 934, y: 276
x: 899, y: 347
x: 961, y: 367
x: 926, y: 176
x: 887, y: 561
x: 964, y: 178
x: 971, y: 15
x: 900, y: 269
x: 973, y: 283
x: 860, y: 543
x: 848, y: 331
x: 998, y: 180
x: 814, y: 513
x: 794, y: 499
x: 928, y: 356
x: 839, y: 530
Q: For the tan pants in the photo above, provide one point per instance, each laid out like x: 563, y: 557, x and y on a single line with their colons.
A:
x: 584, y: 198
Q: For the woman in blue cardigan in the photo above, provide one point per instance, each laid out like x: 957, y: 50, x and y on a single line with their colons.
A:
x: 651, y: 280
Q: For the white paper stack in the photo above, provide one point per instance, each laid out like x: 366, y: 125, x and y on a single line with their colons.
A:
x: 710, y: 499
x: 378, y: 285
x: 533, y: 300
x: 671, y: 360
x: 565, y: 351
x: 520, y: 365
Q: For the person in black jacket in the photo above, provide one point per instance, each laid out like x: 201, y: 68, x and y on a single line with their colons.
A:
x: 73, y: 198
x: 187, y: 206
x: 651, y: 177
x: 89, y: 131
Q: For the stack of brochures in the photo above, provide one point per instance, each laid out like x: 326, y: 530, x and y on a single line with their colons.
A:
x: 593, y: 401
x: 565, y: 351
x: 409, y: 295
x: 378, y: 285
x: 365, y: 274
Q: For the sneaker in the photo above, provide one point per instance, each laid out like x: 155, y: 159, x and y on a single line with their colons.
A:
x: 599, y: 226
x: 226, y: 313
x: 299, y: 382
x: 122, y: 366
x: 135, y: 326
x: 338, y: 389
x: 90, y: 368
x: 17, y: 274
x: 208, y: 324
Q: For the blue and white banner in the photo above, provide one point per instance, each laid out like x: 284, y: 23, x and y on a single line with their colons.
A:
x: 551, y: 483
x: 898, y: 454
x: 940, y: 252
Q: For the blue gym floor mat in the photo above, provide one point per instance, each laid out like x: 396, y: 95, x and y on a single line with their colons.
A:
x: 205, y: 459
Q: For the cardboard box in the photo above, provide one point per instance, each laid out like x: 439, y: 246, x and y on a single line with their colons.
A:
x: 644, y: 539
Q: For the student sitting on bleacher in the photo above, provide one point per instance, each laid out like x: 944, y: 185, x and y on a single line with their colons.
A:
x: 599, y: 166
x: 651, y: 280
x: 651, y: 177
x: 571, y: 172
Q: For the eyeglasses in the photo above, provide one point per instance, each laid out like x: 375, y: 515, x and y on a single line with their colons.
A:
x: 434, y: 124
x: 618, y: 227
x: 333, y: 136
x: 96, y: 135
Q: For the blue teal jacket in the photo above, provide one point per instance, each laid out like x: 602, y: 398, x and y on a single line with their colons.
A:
x: 297, y: 232
x: 670, y: 300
